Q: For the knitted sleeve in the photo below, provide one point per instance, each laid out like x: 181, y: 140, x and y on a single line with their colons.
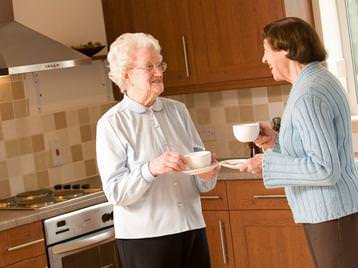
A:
x: 313, y: 120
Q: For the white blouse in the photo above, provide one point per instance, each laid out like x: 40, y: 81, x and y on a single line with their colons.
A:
x: 129, y: 136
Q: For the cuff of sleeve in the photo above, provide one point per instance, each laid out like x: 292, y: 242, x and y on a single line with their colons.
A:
x: 265, y: 167
x: 146, y: 173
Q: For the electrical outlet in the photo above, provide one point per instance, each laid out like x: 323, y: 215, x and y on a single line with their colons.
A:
x: 56, y: 153
x: 207, y: 133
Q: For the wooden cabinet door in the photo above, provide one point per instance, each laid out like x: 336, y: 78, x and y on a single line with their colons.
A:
x: 268, y: 238
x: 227, y: 38
x: 37, y: 262
x: 219, y: 238
x: 167, y: 21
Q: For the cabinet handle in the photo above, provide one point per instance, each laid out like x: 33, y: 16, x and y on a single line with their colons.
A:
x: 269, y: 196
x: 26, y: 244
x: 223, y: 242
x: 183, y: 42
x: 210, y: 197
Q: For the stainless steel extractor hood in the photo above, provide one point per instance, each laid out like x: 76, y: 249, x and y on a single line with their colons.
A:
x: 24, y: 50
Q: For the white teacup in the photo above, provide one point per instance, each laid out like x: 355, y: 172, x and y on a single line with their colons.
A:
x: 198, y: 159
x: 246, y: 132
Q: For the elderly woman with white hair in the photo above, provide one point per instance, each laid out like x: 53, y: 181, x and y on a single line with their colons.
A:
x: 140, y: 146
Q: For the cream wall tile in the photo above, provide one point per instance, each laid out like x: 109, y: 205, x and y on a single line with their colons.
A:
x: 60, y: 120
x: 216, y: 99
x: 5, y: 92
x: 27, y: 164
x: 259, y: 95
x: 83, y: 116
x: 217, y: 115
x: 35, y: 126
x: 74, y: 136
x: 48, y: 122
x: 232, y: 114
x: 30, y: 182
x: 41, y: 161
x: 55, y: 175
x: 79, y: 170
x: 201, y: 100
x: 244, y: 96
x: 72, y: 118
x: 14, y: 167
x: 6, y: 111
x: 3, y: 170
x: 22, y: 127
x: 16, y: 185
x: 261, y: 112
x: 9, y: 130
x: 43, y: 179
x: 230, y: 98
x: 89, y: 150
x: 203, y: 116
x: 18, y: 91
x: 275, y: 109
x: 12, y: 148
x: 67, y: 173
x: 2, y: 151
x: 4, y: 188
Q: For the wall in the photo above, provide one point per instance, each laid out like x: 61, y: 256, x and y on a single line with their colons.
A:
x: 25, y: 161
x: 218, y: 111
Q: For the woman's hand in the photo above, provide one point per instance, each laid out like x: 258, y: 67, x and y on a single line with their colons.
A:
x: 209, y: 175
x: 253, y: 165
x: 267, y: 137
x: 167, y: 162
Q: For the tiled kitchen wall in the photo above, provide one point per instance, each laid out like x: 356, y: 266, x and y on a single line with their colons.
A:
x: 216, y: 113
x: 25, y: 159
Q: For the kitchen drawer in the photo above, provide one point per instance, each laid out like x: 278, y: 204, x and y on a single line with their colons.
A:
x: 36, y: 262
x: 21, y: 243
x: 215, y: 199
x: 252, y: 194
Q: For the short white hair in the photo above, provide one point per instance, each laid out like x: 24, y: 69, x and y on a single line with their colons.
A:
x: 119, y: 55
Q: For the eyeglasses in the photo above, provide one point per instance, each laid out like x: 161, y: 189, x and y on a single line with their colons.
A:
x: 162, y: 66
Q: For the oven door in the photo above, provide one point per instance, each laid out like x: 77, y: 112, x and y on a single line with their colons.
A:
x: 95, y: 250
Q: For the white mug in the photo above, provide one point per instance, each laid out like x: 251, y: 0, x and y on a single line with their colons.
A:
x: 198, y: 159
x: 246, y: 132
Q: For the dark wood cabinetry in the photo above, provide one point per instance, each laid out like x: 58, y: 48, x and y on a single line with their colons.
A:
x: 208, y: 44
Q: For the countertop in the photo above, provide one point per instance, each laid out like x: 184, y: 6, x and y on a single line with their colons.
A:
x: 12, y: 218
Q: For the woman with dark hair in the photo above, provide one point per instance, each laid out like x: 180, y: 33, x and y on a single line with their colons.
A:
x: 312, y: 156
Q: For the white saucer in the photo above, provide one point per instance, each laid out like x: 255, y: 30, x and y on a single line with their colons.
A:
x: 200, y: 170
x: 233, y: 163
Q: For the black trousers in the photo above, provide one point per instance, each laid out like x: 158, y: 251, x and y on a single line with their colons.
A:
x: 334, y: 244
x: 183, y: 250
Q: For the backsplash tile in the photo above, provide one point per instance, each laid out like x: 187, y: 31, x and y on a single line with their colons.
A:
x: 25, y: 158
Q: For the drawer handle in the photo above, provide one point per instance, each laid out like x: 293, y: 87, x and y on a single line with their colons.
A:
x: 222, y: 241
x: 183, y: 41
x: 210, y: 197
x: 26, y: 245
x: 269, y: 196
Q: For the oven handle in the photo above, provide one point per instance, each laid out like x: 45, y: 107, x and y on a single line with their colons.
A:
x: 86, y: 242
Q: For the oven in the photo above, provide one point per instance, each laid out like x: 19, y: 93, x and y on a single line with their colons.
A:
x: 82, y: 238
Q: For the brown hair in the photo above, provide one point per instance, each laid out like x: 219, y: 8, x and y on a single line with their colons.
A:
x: 297, y: 37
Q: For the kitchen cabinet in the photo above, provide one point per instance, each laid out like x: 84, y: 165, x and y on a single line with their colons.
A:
x: 253, y: 227
x: 23, y: 246
x: 263, y: 231
x: 208, y: 44
x: 216, y: 215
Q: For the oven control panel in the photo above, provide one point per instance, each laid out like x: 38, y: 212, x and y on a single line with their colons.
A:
x: 78, y: 222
